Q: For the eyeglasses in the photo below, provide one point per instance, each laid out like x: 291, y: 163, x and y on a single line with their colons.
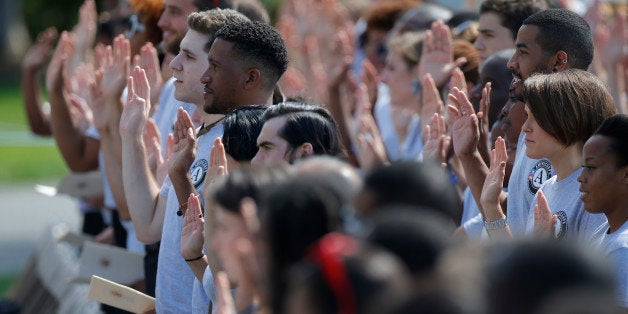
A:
x: 135, y: 26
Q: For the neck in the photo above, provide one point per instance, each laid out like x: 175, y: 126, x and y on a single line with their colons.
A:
x: 212, y: 118
x: 567, y: 160
x: 618, y: 215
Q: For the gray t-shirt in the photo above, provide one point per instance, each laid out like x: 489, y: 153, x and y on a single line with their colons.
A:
x: 525, y: 180
x: 615, y: 245
x: 573, y: 221
x: 175, y: 280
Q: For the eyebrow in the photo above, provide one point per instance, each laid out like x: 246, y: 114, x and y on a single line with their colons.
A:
x: 187, y: 51
x: 265, y: 143
x: 521, y: 45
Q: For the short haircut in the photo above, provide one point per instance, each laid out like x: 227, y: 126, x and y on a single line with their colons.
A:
x: 512, y: 13
x: 259, y: 45
x: 383, y: 16
x: 615, y: 129
x: 307, y: 123
x: 561, y: 29
x: 210, y: 21
x: 203, y: 5
x: 568, y: 105
x: 241, y: 129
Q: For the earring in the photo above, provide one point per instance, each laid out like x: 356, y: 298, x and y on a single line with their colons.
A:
x: 564, y: 61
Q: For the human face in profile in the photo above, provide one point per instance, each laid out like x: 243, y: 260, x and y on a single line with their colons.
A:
x: 529, y: 57
x: 223, y: 78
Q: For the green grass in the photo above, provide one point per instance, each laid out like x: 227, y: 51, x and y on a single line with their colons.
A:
x: 23, y: 158
x: 5, y: 284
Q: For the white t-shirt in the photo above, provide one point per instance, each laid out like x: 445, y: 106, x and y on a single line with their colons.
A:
x: 177, y: 290
x: 573, y: 221
x: 615, y: 245
x: 526, y: 178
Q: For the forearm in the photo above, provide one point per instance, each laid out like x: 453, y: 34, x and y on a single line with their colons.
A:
x: 337, y: 110
x: 475, y: 171
x: 113, y: 169
x: 37, y: 120
x: 71, y: 141
x: 141, y: 191
x: 182, y: 184
x: 198, y: 267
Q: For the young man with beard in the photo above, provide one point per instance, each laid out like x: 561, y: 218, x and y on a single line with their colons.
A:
x: 245, y: 61
x: 541, y: 47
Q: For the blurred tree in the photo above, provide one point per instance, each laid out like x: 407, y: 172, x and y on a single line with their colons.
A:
x: 41, y: 14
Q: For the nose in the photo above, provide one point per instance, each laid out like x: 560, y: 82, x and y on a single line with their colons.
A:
x: 479, y: 43
x: 163, y: 20
x: 385, y: 76
x: 205, y: 77
x: 512, y: 62
x: 581, y: 177
x: 257, y: 159
x: 175, y: 64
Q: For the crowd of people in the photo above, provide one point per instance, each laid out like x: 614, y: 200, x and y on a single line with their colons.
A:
x: 359, y: 156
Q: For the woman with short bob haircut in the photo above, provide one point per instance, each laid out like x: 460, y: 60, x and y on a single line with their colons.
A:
x: 564, y: 109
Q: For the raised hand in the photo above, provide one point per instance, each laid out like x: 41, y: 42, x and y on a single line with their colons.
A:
x: 544, y: 221
x: 218, y: 168
x: 150, y: 63
x: 437, y: 144
x: 54, y: 74
x: 371, y: 149
x: 484, y: 125
x: 85, y: 30
x: 494, y: 182
x: 152, y: 142
x: 431, y: 103
x: 80, y: 112
x: 116, y: 66
x: 192, y: 234
x: 437, y: 56
x: 37, y: 55
x: 185, y: 144
x: 465, y: 132
x: 136, y: 109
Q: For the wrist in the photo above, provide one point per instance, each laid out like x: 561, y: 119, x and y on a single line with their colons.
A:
x: 194, y: 258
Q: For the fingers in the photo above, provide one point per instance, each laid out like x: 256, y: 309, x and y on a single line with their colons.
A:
x: 221, y: 155
x: 459, y: 98
x: 485, y: 101
x: 193, y: 211
x: 169, y: 146
x: 130, y: 95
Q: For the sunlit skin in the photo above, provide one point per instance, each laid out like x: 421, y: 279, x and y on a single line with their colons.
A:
x: 188, y: 66
x: 223, y: 77
x: 603, y: 184
x: 528, y: 57
x: 492, y: 36
x: 272, y: 148
x: 539, y: 144
x: 173, y: 22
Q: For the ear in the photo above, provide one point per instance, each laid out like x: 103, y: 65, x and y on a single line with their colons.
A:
x: 305, y: 150
x: 253, y: 78
x: 560, y: 61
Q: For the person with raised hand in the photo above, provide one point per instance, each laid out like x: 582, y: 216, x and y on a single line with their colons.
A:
x: 563, y: 110
x: 33, y: 62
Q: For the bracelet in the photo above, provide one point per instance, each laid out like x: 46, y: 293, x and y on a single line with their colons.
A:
x: 181, y: 208
x: 497, y: 224
x: 195, y: 259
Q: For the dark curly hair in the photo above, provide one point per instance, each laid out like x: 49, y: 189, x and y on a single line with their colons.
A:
x: 512, y: 13
x: 259, y: 45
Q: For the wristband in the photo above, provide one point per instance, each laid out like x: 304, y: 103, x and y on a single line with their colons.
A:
x: 195, y: 259
x: 181, y: 208
x: 497, y: 224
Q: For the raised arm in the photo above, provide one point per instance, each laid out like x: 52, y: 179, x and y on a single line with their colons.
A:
x: 79, y: 151
x: 146, y: 207
x: 184, y: 152
x: 34, y: 60
x: 491, y: 209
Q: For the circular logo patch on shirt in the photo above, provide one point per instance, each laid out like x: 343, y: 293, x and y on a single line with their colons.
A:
x: 198, y: 171
x: 561, y: 224
x: 541, y: 171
